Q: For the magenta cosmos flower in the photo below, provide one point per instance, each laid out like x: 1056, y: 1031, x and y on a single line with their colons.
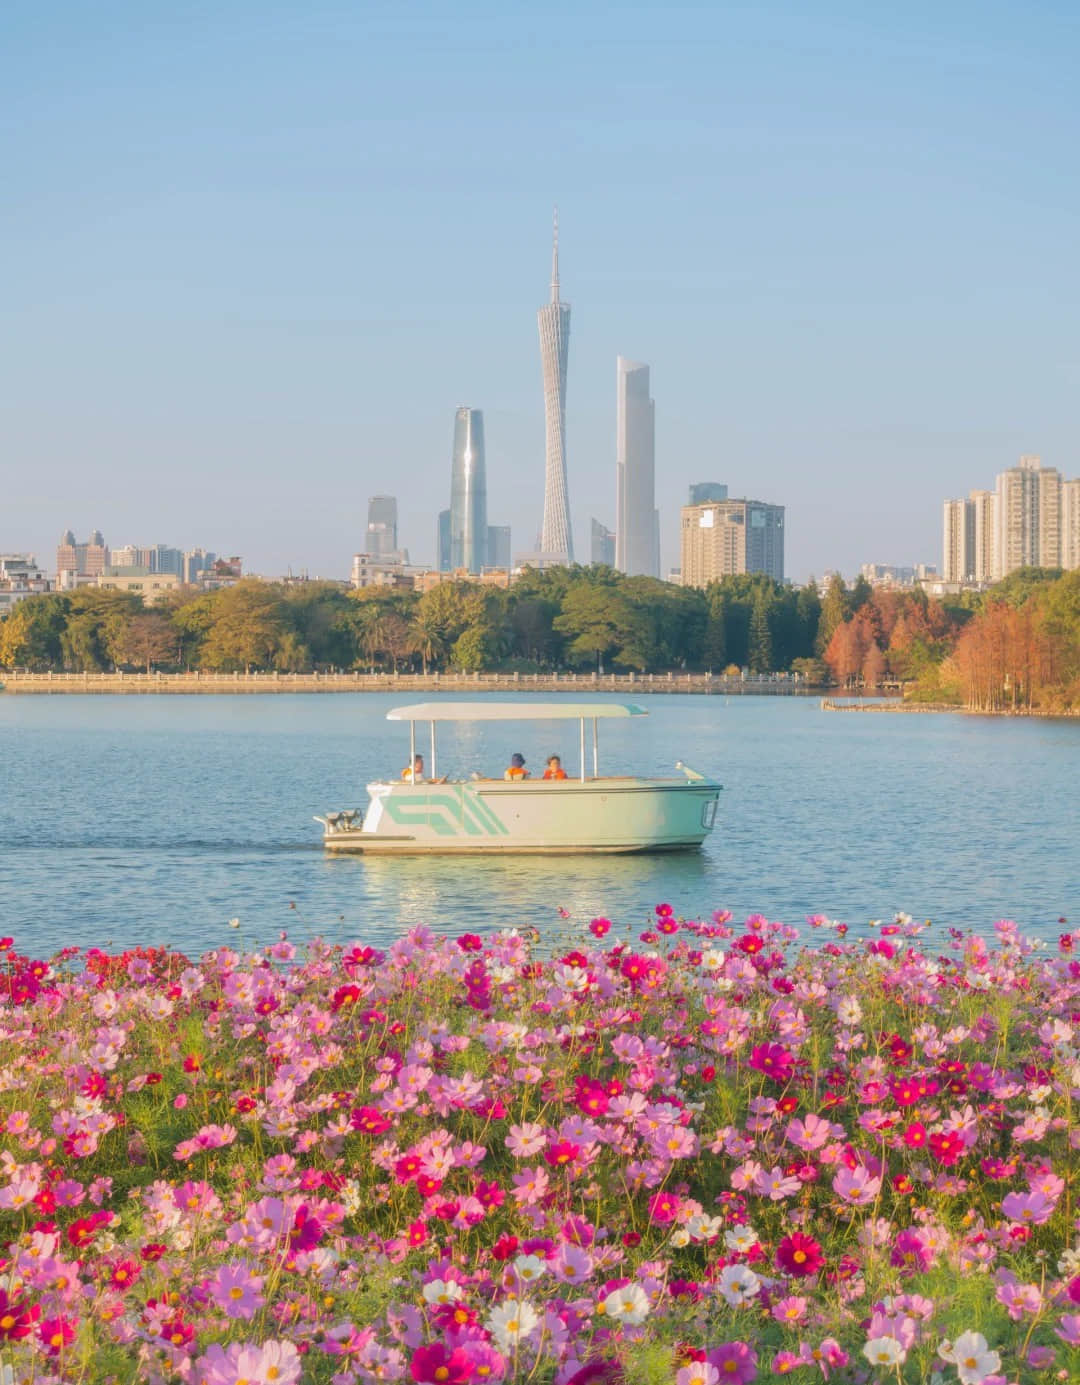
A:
x: 734, y: 1362
x: 439, y: 1365
x: 799, y: 1255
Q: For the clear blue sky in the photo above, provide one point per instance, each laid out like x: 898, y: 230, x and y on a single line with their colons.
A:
x: 256, y: 253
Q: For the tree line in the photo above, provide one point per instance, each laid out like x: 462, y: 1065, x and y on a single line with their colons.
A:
x: 1019, y: 640
x: 560, y: 618
x: 1014, y: 646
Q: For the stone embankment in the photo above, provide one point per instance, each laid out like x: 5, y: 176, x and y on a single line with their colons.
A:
x: 625, y: 684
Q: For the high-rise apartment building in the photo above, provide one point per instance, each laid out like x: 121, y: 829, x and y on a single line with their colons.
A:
x: 381, y: 539
x: 602, y: 545
x: 636, y: 548
x: 196, y: 563
x: 1070, y: 524
x: 984, y: 504
x: 731, y: 537
x: 443, y: 542
x: 81, y: 559
x: 1028, y: 514
x: 498, y: 546
x: 958, y: 545
x: 468, y: 493
x: 556, y: 536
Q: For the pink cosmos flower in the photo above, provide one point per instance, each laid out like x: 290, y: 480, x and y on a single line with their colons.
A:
x: 857, y: 1186
x: 811, y: 1133
x: 791, y: 1309
x: 734, y: 1361
x: 237, y: 1291
x: 1029, y: 1209
x: 523, y: 1141
x: 1068, y: 1329
x: 272, y: 1360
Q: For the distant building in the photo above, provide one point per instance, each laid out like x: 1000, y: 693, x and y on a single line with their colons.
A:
x: 444, y: 541
x: 731, y: 537
x: 196, y: 564
x: 553, y: 319
x: 151, y: 586
x: 602, y: 545
x: 20, y: 577
x: 81, y: 559
x: 498, y: 546
x: 984, y: 505
x: 166, y: 559
x: 636, y: 549
x: 468, y: 493
x: 381, y: 540
x: 707, y: 493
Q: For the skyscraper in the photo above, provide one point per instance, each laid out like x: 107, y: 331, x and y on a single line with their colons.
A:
x: 468, y: 493
x: 381, y: 540
x: 556, y: 538
x: 444, y: 540
x: 498, y: 546
x: 602, y: 550
x: 635, y: 468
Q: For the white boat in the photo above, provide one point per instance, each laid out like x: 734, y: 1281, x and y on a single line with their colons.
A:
x: 586, y: 814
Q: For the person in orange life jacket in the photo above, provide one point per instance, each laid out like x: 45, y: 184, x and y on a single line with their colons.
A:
x: 517, y: 768
x: 412, y: 774
x: 554, y: 768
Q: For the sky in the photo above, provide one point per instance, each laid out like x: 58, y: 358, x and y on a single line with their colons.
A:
x: 256, y: 254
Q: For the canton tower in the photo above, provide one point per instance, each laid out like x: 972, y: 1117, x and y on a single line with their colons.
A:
x: 556, y: 539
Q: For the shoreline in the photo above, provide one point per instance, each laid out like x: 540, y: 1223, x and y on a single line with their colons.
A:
x: 195, y: 684
x: 830, y: 704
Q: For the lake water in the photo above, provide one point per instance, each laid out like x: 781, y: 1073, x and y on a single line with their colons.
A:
x: 157, y: 819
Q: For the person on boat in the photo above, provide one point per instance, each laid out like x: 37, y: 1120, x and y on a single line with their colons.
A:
x: 554, y: 768
x: 517, y: 768
x: 412, y: 774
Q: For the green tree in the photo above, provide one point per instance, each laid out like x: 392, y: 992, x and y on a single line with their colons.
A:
x: 248, y: 627
x: 96, y: 619
x: 596, y: 620
x: 472, y: 649
x: 31, y: 635
x: 714, y: 647
x: 761, y: 649
x: 834, y: 610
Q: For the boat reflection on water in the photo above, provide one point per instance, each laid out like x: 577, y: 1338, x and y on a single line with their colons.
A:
x: 484, y: 893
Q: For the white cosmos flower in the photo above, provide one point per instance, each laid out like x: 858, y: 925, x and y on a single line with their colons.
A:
x: 629, y: 1305
x: 738, y: 1285
x: 442, y: 1291
x: 971, y: 1355
x: 740, y: 1238
x: 680, y: 1237
x: 510, y: 1321
x: 703, y: 1227
x: 884, y: 1351
x: 849, y: 1011
x: 529, y: 1268
x: 713, y: 959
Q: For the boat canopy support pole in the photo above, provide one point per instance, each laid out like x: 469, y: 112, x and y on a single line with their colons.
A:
x: 434, y: 769
x: 412, y: 748
x: 583, y: 750
x: 595, y: 755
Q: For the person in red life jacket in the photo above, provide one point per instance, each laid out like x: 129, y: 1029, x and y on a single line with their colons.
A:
x: 517, y: 768
x: 554, y: 768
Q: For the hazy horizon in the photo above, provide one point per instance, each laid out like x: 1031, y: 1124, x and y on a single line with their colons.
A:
x: 259, y: 255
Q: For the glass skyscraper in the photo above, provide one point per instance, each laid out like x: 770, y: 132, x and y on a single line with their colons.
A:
x: 381, y: 541
x: 468, y: 493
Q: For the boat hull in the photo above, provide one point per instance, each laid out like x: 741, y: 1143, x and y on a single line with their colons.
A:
x: 490, y: 817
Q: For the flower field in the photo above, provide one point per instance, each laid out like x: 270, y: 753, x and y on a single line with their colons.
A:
x: 703, y: 1153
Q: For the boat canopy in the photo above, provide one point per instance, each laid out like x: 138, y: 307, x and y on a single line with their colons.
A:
x: 514, y: 711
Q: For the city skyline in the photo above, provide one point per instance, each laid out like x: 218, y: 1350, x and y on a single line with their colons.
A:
x: 228, y: 301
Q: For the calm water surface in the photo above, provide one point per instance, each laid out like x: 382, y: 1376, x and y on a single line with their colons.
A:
x: 144, y: 819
